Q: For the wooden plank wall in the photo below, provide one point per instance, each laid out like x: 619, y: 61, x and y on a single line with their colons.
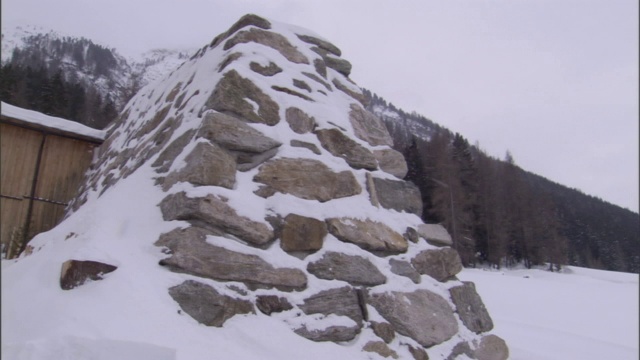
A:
x: 62, y: 165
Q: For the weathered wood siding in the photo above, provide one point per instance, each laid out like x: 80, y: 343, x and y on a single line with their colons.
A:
x: 40, y: 173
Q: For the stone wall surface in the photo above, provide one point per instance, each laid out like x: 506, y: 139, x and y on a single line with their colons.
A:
x: 291, y: 201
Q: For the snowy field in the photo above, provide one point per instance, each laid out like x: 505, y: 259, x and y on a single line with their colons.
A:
x: 579, y: 314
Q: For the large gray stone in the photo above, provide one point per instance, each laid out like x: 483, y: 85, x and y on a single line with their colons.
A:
x: 369, y: 127
x: 321, y: 67
x: 369, y: 235
x: 342, y: 302
x: 356, y: 270
x: 270, y: 39
x: 229, y: 94
x: 492, y: 347
x: 435, y: 234
x: 248, y: 146
x: 206, y: 165
x: 470, y: 308
x: 76, y: 272
x: 321, y: 43
x: 340, y: 145
x: 299, y: 121
x: 391, y: 162
x: 421, y: 315
x: 441, y: 264
x: 203, y: 303
x: 302, y: 234
x: 214, y: 213
x: 246, y: 20
x: 338, y: 64
x: 191, y: 254
x: 234, y: 135
x: 307, y: 179
x: 403, y: 268
x: 398, y: 195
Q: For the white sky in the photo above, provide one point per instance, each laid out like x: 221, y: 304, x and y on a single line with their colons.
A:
x: 554, y: 82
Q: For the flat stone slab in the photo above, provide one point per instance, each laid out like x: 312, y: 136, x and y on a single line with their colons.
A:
x: 441, y: 264
x: 340, y: 145
x: 470, y: 308
x: 421, y: 315
x: 229, y: 97
x: 203, y: 303
x: 307, y: 179
x: 191, y: 254
x: 300, y: 233
x: 234, y: 134
x: 398, y: 195
x: 369, y: 127
x: 435, y: 234
x: 214, y: 213
x: 369, y: 235
x: 356, y: 270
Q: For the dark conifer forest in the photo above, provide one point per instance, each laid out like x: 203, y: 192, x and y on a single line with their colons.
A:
x: 500, y: 214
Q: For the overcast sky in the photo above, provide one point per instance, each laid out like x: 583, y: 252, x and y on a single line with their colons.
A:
x: 554, y: 82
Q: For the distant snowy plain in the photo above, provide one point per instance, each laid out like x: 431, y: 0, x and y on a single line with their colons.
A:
x: 579, y: 313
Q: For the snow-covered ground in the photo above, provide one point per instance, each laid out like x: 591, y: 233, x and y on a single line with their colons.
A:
x: 579, y: 313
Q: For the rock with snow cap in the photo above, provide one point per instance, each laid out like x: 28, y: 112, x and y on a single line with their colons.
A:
x: 206, y: 305
x: 191, y: 254
x: 356, y: 270
x: 441, y: 264
x: 421, y: 315
x: 307, y: 179
x: 367, y: 234
x: 76, y: 272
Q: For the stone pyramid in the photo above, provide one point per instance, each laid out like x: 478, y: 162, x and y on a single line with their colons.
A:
x: 271, y: 191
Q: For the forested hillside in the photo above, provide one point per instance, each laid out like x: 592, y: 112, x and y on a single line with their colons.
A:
x: 74, y: 78
x: 500, y: 214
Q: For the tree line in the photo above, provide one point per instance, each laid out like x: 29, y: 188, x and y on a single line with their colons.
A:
x: 502, y: 215
x: 35, y: 89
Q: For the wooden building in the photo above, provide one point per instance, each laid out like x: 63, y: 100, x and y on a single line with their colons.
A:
x: 43, y: 161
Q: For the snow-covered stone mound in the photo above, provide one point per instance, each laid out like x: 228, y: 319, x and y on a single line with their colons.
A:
x: 251, y: 183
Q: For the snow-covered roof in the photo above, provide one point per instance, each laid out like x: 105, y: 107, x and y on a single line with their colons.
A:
x: 33, y: 119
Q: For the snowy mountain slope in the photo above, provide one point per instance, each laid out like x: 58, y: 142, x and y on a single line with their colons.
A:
x: 97, y: 66
x: 156, y: 63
